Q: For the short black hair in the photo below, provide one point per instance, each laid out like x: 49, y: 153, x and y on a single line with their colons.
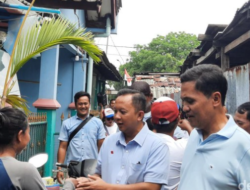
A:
x: 80, y: 94
x: 12, y: 121
x: 208, y: 78
x: 138, y: 99
x: 142, y: 87
x: 111, y: 101
x: 243, y: 108
x: 166, y: 128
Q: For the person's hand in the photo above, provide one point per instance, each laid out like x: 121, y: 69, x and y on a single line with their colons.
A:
x: 83, y: 180
x: 93, y: 183
x: 59, y: 177
x: 185, y: 125
x: 73, y: 180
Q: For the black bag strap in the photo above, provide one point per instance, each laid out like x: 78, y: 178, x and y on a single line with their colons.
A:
x: 78, y: 128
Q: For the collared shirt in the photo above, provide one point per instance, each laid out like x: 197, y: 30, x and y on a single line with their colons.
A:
x: 176, y: 149
x: 221, y: 161
x: 143, y: 159
x: 84, y: 144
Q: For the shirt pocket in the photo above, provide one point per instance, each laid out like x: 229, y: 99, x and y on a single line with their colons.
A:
x: 136, y: 166
x: 136, y: 172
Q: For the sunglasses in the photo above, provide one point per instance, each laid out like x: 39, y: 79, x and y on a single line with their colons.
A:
x: 111, y: 118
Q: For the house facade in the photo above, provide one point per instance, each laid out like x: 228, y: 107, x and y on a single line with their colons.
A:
x: 227, y: 45
x: 49, y: 81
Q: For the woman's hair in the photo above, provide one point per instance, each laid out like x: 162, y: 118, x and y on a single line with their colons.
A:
x: 11, y: 122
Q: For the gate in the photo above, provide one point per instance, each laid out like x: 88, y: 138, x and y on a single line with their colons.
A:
x: 38, y: 128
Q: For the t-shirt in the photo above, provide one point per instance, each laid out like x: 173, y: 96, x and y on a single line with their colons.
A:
x: 22, y: 176
x: 179, y: 133
x: 112, y: 129
x: 176, y: 150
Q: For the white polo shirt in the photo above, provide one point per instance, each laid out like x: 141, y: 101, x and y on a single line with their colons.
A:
x: 176, y: 150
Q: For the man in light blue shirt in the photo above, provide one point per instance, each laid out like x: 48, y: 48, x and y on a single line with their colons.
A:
x: 87, y: 142
x: 134, y: 158
x: 217, y: 155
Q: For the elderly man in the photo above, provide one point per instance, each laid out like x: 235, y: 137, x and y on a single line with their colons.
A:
x: 218, y: 151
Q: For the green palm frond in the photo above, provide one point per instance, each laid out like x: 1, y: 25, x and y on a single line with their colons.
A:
x: 50, y: 33
x: 10, y: 88
x: 17, y: 102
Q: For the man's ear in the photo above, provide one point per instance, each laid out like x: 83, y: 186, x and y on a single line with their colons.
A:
x: 216, y: 97
x: 140, y: 115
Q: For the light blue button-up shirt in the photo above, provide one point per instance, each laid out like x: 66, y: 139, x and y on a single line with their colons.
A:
x: 84, y: 144
x: 222, y: 161
x: 144, y: 159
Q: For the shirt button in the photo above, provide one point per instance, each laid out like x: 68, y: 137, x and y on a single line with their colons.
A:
x: 117, y: 181
x: 126, y: 151
x: 122, y: 167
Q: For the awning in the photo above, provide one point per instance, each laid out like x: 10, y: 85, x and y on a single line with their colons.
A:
x: 107, y: 69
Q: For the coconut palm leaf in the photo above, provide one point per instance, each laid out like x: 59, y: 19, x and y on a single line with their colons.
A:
x: 55, y: 32
x: 10, y: 87
x: 17, y: 102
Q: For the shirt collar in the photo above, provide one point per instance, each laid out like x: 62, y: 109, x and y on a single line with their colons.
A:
x: 227, y: 131
x: 139, y: 138
x: 80, y: 118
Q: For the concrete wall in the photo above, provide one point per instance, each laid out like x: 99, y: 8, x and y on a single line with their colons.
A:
x: 65, y: 85
x: 28, y: 78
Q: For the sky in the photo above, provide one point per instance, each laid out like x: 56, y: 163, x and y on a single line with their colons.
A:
x: 142, y: 20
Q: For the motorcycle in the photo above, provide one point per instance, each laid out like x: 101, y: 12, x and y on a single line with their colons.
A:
x: 74, y: 169
x: 39, y: 160
x: 79, y: 169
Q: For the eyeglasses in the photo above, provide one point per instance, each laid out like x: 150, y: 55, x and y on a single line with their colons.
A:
x: 111, y: 118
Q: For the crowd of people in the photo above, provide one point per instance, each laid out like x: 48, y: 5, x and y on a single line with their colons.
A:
x: 141, y: 143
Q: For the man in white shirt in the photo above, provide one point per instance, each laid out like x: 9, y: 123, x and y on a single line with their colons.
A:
x: 165, y: 117
x: 109, y: 124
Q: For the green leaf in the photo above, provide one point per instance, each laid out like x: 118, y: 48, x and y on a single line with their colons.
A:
x: 17, y: 102
x: 50, y: 33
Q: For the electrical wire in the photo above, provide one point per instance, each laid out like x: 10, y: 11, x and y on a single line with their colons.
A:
x: 117, y: 49
x: 119, y: 55
x: 116, y: 46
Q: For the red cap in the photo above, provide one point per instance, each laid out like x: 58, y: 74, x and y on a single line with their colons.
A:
x: 164, y: 108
